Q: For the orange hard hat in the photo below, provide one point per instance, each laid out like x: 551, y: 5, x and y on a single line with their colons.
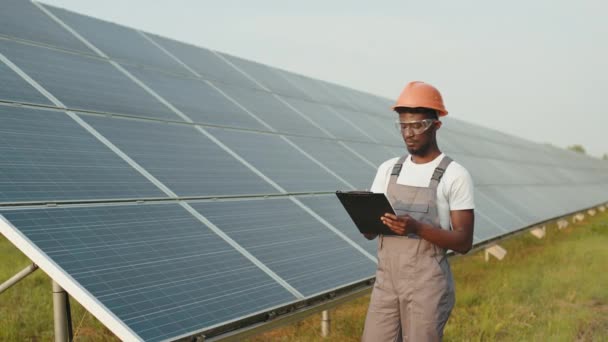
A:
x: 420, y: 94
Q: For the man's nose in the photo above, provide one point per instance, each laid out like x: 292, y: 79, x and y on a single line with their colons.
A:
x: 408, y: 132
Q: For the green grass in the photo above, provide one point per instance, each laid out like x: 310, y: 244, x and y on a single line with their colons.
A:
x: 26, y: 309
x: 554, y: 289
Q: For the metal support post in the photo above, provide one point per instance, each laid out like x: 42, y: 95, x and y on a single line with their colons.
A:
x: 325, y: 323
x: 60, y: 313
x: 17, y: 277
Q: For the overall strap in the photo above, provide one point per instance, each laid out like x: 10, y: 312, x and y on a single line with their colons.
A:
x: 439, y: 170
x: 397, y: 169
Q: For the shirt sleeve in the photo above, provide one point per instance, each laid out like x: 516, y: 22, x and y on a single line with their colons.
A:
x: 461, y: 193
x: 381, y: 179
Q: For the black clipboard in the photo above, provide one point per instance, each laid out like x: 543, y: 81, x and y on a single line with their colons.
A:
x: 365, y: 209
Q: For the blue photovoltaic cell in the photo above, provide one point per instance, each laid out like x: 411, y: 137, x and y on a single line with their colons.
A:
x: 206, y: 63
x: 195, y: 98
x: 331, y: 210
x: 181, y: 157
x: 290, y: 242
x: 118, y: 41
x: 279, y: 161
x: 355, y: 99
x: 85, y: 83
x: 376, y: 154
x: 370, y: 105
x: 498, y: 212
x: 383, y: 104
x: 486, y: 228
x: 380, y: 129
x: 21, y: 19
x: 543, y: 205
x: 158, y: 269
x: 13, y: 88
x: 47, y: 156
x: 338, y: 159
x: 328, y: 119
x: 482, y: 172
x: 267, y: 76
x: 511, y: 197
x: 272, y: 111
x: 313, y: 88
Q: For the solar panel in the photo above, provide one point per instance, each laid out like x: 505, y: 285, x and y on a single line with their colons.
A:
x: 47, y: 156
x: 23, y: 20
x: 255, y: 227
x: 205, y: 62
x: 315, y: 89
x: 331, y: 210
x: 377, y: 129
x: 339, y: 159
x: 83, y: 82
x: 280, y: 161
x: 354, y: 99
x: 272, y: 111
x: 485, y: 228
x: 117, y: 41
x: 377, y: 154
x: 180, y: 157
x: 14, y: 89
x: 266, y: 76
x: 155, y: 268
x: 198, y: 100
x: 281, y: 235
x: 511, y: 197
x: 327, y: 118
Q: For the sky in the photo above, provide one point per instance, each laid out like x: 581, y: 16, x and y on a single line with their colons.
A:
x: 535, y: 69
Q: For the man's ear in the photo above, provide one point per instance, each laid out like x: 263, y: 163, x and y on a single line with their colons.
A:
x: 438, y: 124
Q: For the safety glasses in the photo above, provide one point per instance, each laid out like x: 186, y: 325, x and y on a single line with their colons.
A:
x: 415, y: 127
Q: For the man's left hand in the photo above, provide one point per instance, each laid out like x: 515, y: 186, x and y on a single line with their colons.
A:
x: 400, y: 225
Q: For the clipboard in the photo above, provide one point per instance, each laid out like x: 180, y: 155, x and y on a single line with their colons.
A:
x: 365, y: 209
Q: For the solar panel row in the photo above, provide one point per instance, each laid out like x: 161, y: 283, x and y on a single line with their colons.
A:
x: 174, y: 120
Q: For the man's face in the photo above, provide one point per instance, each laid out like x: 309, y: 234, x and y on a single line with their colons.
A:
x: 417, y: 144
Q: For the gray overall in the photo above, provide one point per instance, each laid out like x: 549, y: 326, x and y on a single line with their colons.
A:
x: 414, y: 291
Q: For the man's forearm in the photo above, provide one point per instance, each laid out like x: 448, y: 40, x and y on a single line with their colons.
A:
x: 456, y: 240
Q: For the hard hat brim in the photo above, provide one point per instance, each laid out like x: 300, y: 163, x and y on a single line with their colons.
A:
x: 440, y: 112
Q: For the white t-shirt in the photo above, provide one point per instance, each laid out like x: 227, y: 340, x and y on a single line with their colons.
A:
x: 455, y: 190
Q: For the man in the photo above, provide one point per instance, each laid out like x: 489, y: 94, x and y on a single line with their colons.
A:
x: 433, y: 198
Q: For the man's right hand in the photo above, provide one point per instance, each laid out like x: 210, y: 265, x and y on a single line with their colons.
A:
x: 370, y: 236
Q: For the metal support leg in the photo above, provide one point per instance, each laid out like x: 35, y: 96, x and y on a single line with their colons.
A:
x: 60, y: 313
x: 17, y: 277
x: 325, y: 323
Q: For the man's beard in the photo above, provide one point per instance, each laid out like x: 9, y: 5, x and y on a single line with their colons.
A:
x: 418, y: 151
